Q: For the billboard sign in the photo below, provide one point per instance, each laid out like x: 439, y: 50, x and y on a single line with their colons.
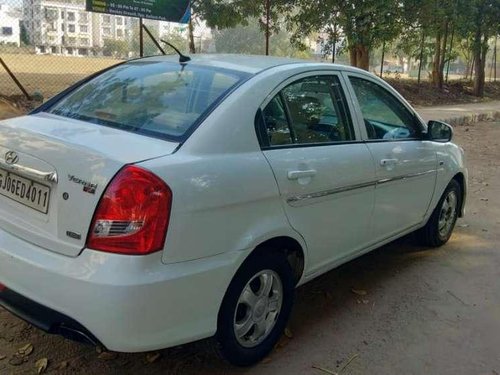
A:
x: 163, y: 10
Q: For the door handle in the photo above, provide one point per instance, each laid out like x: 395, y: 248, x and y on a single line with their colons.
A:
x: 295, y: 175
x: 388, y: 162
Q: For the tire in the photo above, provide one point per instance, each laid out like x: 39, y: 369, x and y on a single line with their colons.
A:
x: 433, y: 234
x: 267, y: 315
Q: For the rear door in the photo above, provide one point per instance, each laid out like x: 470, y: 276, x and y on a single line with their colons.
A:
x: 405, y: 163
x: 324, y: 174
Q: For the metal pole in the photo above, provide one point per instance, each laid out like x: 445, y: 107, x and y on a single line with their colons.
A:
x: 472, y: 68
x: 153, y: 39
x: 141, y: 38
x: 421, y: 56
x: 268, y: 16
x: 14, y: 78
x: 495, y: 55
x: 382, y: 62
x: 492, y: 61
x: 449, y: 54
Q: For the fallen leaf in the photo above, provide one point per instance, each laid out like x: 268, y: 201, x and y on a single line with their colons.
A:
x: 107, y: 356
x: 288, y: 333
x: 266, y: 360
x: 63, y: 365
x: 41, y: 365
x: 152, y: 357
x: 26, y: 350
x: 359, y: 292
x: 17, y: 360
x: 2, y: 357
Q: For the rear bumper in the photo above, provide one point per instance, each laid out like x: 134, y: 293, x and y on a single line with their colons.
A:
x: 128, y: 304
x: 44, y: 318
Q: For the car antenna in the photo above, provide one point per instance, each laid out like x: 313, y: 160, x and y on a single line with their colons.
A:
x: 182, y: 58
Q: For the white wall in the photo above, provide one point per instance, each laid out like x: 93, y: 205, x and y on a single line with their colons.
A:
x: 9, y: 25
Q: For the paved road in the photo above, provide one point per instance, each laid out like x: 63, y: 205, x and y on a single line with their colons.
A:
x: 425, y: 312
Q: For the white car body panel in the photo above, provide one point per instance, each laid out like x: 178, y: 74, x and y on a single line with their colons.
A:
x: 229, y: 196
x: 68, y: 147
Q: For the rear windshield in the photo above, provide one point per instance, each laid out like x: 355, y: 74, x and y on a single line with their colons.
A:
x: 158, y: 98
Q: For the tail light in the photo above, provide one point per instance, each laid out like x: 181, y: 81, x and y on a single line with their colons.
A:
x: 132, y: 215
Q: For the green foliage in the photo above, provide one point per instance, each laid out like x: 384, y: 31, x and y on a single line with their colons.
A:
x: 177, y: 39
x: 25, y: 40
x: 249, y: 39
x: 115, y: 48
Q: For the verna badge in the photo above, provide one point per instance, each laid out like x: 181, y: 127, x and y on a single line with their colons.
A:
x: 11, y: 157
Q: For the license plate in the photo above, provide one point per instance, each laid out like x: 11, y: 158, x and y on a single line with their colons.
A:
x: 25, y: 191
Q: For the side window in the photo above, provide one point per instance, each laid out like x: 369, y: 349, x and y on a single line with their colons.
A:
x: 305, y: 112
x: 276, y: 122
x: 384, y: 115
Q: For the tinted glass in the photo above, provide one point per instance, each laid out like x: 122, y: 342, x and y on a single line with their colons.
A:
x: 313, y: 115
x: 384, y: 115
x: 277, y: 123
x: 154, y: 98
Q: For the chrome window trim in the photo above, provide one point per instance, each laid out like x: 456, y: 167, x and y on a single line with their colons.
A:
x: 320, y: 194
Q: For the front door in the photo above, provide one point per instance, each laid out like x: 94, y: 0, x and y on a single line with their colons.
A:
x: 323, y: 172
x: 405, y: 163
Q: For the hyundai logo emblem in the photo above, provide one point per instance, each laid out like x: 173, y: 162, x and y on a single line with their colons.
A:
x: 11, y: 157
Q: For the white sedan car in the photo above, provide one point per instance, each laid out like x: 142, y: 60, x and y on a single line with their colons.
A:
x: 158, y: 202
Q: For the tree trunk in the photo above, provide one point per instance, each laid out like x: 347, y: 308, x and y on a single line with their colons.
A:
x: 480, y: 51
x: 439, y: 56
x: 268, y: 32
x: 435, y: 61
x: 442, y: 61
x: 192, y: 48
x: 364, y: 58
x: 360, y: 56
x: 353, y: 56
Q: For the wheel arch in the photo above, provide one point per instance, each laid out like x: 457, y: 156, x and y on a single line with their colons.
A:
x: 460, y: 178
x: 290, y: 247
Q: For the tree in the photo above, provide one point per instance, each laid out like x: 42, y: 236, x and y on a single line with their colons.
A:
x: 115, y: 48
x: 24, y: 36
x: 365, y: 23
x: 224, y: 14
x: 485, y: 24
x: 247, y: 40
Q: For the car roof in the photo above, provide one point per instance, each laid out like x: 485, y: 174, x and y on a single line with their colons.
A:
x: 252, y: 64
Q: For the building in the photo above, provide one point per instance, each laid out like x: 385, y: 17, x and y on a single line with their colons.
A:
x: 60, y: 27
x: 107, y: 26
x: 10, y: 31
x: 63, y: 27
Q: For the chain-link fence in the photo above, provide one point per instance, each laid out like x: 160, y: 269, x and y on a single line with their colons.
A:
x: 50, y: 44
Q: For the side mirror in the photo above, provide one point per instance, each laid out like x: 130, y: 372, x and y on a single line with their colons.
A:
x: 439, y: 131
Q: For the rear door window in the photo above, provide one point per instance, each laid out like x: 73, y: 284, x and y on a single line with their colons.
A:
x: 156, y: 98
x: 311, y: 110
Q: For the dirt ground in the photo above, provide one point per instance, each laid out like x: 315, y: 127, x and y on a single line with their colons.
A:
x: 454, y: 92
x: 47, y: 74
x: 425, y: 311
